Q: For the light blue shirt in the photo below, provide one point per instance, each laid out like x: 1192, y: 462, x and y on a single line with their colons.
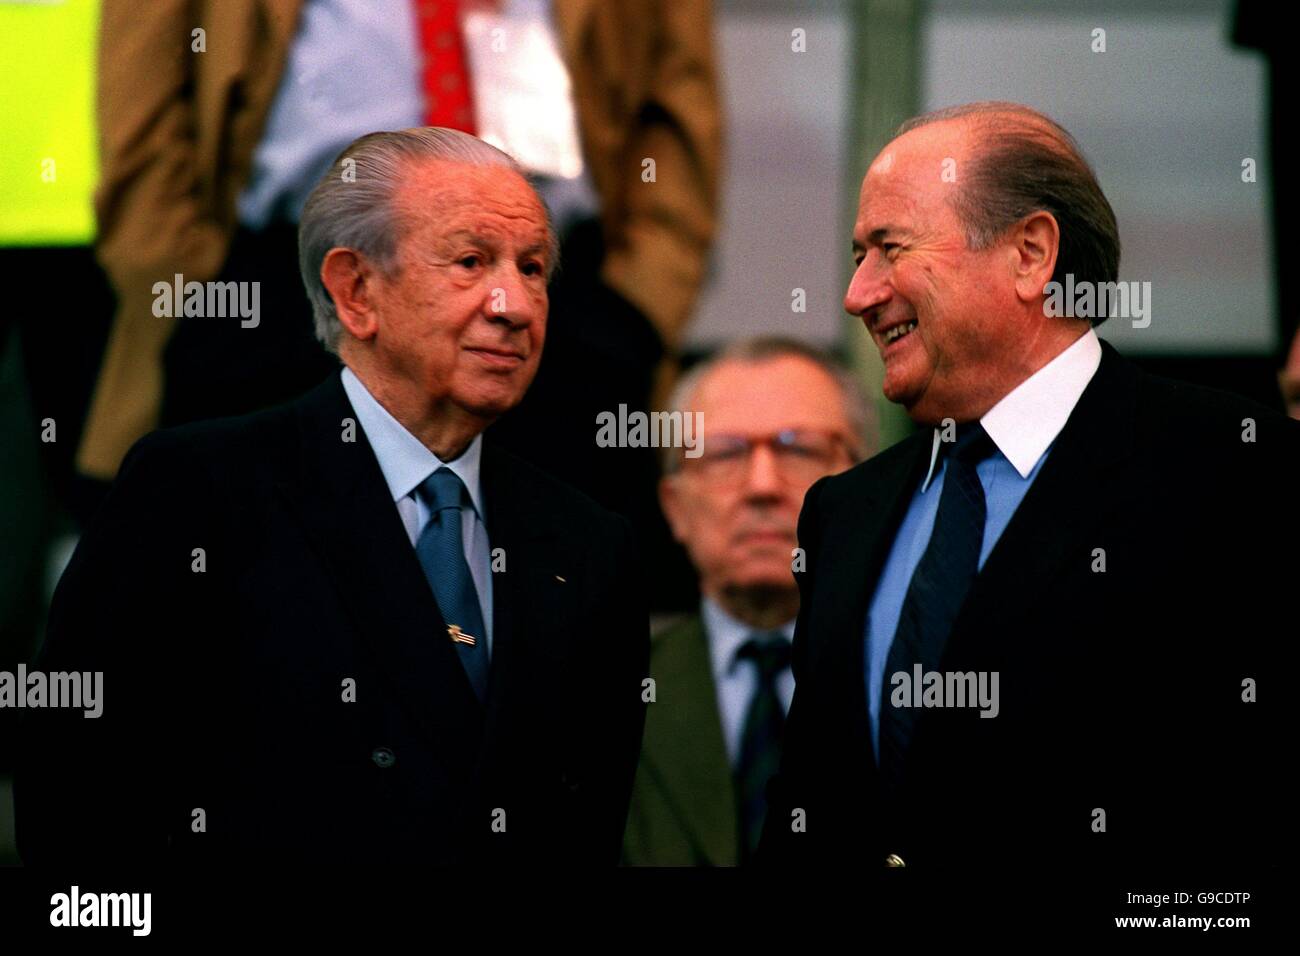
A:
x: 353, y: 68
x: 406, y: 463
x: 1023, y: 426
x: 736, y: 680
x: 569, y: 201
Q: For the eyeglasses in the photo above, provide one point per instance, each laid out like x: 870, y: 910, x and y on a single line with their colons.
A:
x: 801, y: 454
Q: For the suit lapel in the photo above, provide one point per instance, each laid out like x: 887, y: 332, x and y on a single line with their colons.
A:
x: 345, y: 509
x: 343, y: 504
x: 683, y: 751
x: 1065, y: 505
x: 853, y: 553
x: 531, y: 593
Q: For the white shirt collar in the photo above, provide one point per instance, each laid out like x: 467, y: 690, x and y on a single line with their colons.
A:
x: 726, y: 635
x: 405, y: 460
x: 1029, y: 417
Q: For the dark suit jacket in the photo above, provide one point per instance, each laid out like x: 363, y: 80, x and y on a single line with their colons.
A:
x: 684, y: 801
x: 224, y: 690
x: 1120, y: 690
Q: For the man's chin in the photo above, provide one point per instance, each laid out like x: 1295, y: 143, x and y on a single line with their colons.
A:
x: 900, y: 390
x: 769, y: 576
x: 913, y: 400
x: 492, y: 403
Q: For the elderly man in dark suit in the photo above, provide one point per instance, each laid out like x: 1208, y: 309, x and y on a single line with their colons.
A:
x: 1040, y: 631
x: 347, y: 628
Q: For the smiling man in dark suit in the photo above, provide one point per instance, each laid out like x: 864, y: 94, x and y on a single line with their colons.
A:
x: 348, y: 628
x: 1039, y: 632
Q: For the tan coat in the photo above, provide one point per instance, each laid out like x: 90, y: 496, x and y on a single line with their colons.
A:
x: 178, y: 130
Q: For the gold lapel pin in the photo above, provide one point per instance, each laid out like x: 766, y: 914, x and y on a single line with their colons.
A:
x: 458, y: 636
x: 560, y: 579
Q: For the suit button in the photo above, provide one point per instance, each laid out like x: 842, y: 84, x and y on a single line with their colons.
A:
x: 383, y: 757
x: 894, y: 860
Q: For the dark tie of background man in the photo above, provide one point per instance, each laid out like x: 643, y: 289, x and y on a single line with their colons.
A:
x: 760, y: 745
x: 442, y: 556
x: 937, y: 590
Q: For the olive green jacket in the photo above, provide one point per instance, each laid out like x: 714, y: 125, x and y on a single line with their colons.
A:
x: 683, y: 809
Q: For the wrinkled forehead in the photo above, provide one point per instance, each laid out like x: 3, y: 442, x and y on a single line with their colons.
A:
x: 452, y: 195
x: 770, y: 394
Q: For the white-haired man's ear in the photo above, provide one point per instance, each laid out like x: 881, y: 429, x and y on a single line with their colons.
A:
x: 352, y: 283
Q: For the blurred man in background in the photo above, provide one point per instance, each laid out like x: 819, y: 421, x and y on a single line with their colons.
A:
x: 777, y: 415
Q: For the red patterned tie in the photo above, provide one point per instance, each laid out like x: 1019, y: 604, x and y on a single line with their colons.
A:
x: 448, y: 100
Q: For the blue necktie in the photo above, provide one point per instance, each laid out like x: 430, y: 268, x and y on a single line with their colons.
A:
x: 937, y: 591
x: 442, y: 556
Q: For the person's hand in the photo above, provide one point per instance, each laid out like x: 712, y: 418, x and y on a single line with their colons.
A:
x: 1289, y: 379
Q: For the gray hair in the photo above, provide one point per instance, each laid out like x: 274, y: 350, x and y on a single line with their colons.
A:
x: 766, y: 348
x: 1024, y: 162
x: 354, y: 209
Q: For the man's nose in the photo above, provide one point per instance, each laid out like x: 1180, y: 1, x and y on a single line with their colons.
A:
x: 867, y: 289
x: 510, y: 300
x: 763, y: 478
